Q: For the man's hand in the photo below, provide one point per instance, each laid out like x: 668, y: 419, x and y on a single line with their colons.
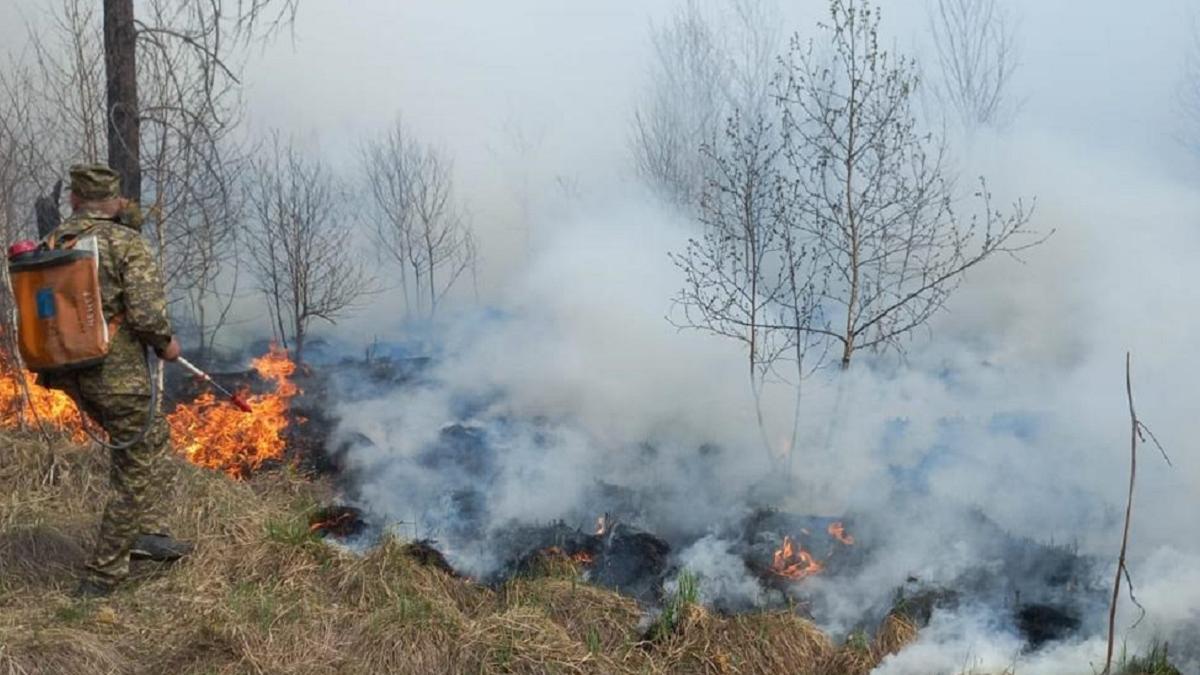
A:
x: 170, y: 352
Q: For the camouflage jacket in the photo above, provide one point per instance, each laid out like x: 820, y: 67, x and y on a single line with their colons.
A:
x: 131, y: 286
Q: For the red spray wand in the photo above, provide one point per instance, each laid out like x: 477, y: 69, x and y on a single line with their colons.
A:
x: 236, y: 399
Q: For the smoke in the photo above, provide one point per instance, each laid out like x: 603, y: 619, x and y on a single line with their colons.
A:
x: 576, y: 396
x: 582, y: 397
x: 723, y: 580
x: 971, y: 641
x: 579, y: 388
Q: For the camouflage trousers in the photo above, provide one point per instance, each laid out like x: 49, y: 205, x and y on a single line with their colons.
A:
x: 142, y: 479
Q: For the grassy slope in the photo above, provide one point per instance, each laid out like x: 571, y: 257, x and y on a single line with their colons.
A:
x: 262, y: 596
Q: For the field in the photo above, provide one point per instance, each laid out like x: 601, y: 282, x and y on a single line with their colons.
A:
x: 263, y: 594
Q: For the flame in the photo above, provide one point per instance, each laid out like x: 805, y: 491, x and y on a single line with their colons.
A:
x: 838, y: 531
x: 209, y: 431
x: 332, y: 523
x: 53, y: 409
x: 793, y: 562
x: 601, y: 525
x: 212, y: 433
x: 581, y: 557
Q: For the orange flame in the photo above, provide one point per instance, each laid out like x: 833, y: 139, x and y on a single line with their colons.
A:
x: 793, y: 562
x: 210, y: 432
x: 51, y: 407
x: 331, y: 523
x: 838, y: 531
x: 581, y: 557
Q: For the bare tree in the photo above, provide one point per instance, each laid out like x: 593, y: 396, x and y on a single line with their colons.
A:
x: 51, y: 101
x: 519, y: 154
x: 12, y: 225
x: 300, y: 247
x: 121, y: 95
x: 204, y: 261
x: 701, y: 73
x: 191, y: 162
x: 16, y: 190
x: 386, y: 165
x: 748, y: 277
x: 50, y: 108
x: 977, y: 53
x: 210, y: 27
x: 69, y: 84
x: 870, y: 192
x: 417, y: 222
x: 188, y: 114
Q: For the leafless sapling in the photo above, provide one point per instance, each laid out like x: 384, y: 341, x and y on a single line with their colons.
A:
x: 701, y: 72
x: 747, y: 276
x: 977, y: 54
x: 869, y: 190
x: 209, y: 27
x: 300, y: 246
x: 417, y: 221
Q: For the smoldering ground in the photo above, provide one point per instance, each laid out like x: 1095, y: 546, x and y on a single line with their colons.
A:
x: 584, y: 395
x: 588, y: 400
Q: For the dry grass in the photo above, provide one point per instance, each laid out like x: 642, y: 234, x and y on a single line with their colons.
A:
x: 262, y: 595
x: 896, y: 633
x: 778, y: 642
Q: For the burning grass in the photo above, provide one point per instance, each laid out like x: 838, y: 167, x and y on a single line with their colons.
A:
x: 211, y: 433
x: 53, y: 410
x: 207, y: 431
x: 266, y: 593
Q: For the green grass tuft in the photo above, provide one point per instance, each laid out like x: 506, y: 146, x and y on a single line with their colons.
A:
x: 1155, y: 662
x: 687, y: 594
x: 290, y: 532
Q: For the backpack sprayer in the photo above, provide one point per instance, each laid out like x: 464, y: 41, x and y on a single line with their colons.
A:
x: 60, y: 320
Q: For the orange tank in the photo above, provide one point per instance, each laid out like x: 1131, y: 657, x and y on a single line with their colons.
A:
x: 60, y: 317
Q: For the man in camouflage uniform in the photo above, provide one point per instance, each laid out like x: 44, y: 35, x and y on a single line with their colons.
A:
x: 116, y: 393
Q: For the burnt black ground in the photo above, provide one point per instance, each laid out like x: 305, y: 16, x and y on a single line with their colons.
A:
x: 1041, y: 592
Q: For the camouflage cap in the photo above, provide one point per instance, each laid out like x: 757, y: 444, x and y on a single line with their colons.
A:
x: 94, y: 182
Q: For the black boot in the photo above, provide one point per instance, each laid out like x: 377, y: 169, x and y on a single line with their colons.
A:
x: 160, y: 547
x: 91, y: 589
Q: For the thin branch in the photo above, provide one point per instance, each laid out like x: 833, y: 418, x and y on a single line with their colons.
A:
x: 1135, y: 434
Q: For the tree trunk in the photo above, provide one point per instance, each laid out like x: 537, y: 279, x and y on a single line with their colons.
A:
x: 298, y: 357
x: 120, y: 61
x: 851, y: 225
x: 432, y: 289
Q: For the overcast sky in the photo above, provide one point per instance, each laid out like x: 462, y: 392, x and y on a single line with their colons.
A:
x: 528, y: 93
x: 462, y: 70
x: 531, y: 96
x: 472, y: 75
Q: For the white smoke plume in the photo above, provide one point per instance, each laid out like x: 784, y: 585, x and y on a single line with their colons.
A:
x: 1012, y: 404
x: 1015, y: 406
